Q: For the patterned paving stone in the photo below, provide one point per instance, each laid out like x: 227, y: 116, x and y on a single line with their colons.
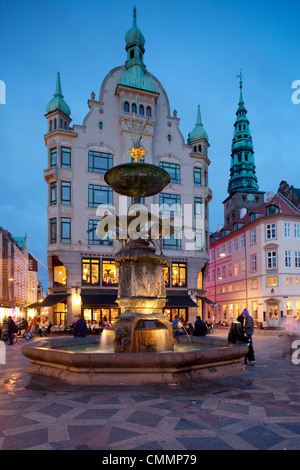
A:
x: 257, y: 409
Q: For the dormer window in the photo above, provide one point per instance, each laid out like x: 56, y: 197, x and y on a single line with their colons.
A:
x: 270, y: 210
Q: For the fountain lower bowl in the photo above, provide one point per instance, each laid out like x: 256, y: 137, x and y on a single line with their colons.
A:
x: 54, y: 357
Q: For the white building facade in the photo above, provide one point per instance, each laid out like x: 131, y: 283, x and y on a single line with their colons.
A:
x: 82, y: 273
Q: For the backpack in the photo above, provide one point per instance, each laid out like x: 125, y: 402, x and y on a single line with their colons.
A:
x: 236, y: 334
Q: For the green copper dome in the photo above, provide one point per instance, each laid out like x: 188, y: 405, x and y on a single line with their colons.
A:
x: 135, y: 75
x: 58, y: 103
x: 198, y: 132
x: 134, y: 34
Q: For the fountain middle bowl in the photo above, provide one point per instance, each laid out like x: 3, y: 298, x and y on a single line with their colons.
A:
x: 137, y: 179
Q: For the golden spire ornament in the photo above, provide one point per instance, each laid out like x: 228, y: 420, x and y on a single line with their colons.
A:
x: 137, y: 153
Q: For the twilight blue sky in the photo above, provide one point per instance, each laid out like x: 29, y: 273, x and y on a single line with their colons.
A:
x: 195, y: 48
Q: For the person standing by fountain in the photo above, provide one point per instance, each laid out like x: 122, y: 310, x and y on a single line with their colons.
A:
x: 80, y: 327
x: 200, y: 328
x: 249, y: 329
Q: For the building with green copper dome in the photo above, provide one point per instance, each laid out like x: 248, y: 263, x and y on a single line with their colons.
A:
x: 83, y: 277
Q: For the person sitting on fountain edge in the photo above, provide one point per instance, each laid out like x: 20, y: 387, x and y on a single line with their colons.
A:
x: 177, y: 327
x: 200, y: 328
x: 79, y: 327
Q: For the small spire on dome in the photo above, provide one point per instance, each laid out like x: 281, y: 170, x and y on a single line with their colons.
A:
x: 240, y: 76
x: 58, y: 90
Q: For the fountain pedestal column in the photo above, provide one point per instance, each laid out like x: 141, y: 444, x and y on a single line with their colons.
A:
x: 142, y: 326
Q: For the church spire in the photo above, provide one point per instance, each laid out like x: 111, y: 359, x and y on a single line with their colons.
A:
x: 242, y: 168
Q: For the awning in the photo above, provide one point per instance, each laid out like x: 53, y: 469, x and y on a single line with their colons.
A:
x: 49, y: 301
x: 99, y: 299
x: 205, y: 299
x: 180, y: 301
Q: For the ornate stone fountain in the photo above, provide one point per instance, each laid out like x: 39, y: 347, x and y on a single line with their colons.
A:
x: 142, y: 335
x: 142, y: 326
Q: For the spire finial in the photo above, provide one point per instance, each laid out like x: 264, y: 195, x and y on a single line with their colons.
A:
x: 134, y: 16
x: 240, y: 76
x: 58, y: 91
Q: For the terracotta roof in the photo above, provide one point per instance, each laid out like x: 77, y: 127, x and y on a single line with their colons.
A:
x: 285, y: 207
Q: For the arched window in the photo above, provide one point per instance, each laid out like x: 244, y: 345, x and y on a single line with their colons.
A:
x: 54, y: 123
x: 199, y: 148
x: 195, y: 148
x: 100, y: 125
x: 141, y: 110
x: 65, y: 125
x: 60, y: 123
x: 132, y: 54
x: 126, y: 107
x: 50, y: 125
x: 148, y: 111
x: 169, y: 138
x: 133, y: 108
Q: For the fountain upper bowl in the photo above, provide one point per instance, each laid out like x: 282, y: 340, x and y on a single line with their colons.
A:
x: 137, y: 179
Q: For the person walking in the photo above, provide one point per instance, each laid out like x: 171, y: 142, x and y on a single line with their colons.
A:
x: 79, y: 327
x: 249, y: 330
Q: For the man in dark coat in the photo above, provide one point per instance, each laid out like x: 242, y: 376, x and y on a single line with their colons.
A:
x: 200, y: 328
x: 79, y: 327
x: 11, y: 328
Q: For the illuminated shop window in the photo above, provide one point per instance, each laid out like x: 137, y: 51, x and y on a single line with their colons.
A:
x: 167, y: 276
x: 90, y: 271
x: 109, y: 273
x: 59, y: 276
x: 179, y: 271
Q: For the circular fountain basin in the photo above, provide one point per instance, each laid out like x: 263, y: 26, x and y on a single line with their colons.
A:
x: 137, y: 179
x: 202, y: 358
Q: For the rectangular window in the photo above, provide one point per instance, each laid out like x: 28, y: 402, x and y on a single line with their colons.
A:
x: 170, y: 204
x: 243, y: 241
x: 243, y: 266
x: 297, y: 259
x: 172, y: 242
x: 229, y: 270
x: 198, y: 240
x: 99, y: 195
x: 179, y: 275
x: 53, y: 194
x: 253, y: 236
x: 253, y: 263
x: 236, y: 268
x: 100, y: 162
x: 66, y: 193
x: 53, y: 157
x: 287, y: 229
x: 197, y: 176
x: 109, y: 273
x: 173, y: 169
x: 254, y: 284
x: 235, y: 244
x: 65, y: 230
x: 93, y: 238
x: 271, y: 259
x: 90, y: 271
x: 53, y: 230
x: 270, y: 231
x: 287, y: 259
x: 229, y: 247
x: 297, y: 230
x: 198, y: 207
x: 272, y: 282
x: 65, y: 157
